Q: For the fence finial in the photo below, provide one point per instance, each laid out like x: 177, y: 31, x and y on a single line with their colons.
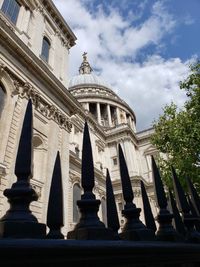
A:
x: 177, y: 221
x: 148, y: 216
x: 194, y: 196
x: 89, y: 226
x: 191, y: 235
x: 55, y: 204
x: 165, y: 232
x: 112, y: 215
x: 133, y: 229
x: 19, y: 222
x: 194, y: 214
x: 87, y: 170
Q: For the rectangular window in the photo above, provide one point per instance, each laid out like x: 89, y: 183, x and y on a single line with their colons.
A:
x: 11, y: 9
x: 115, y: 161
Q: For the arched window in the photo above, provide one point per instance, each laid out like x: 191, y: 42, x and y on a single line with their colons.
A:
x: 2, y: 98
x: 11, y: 9
x: 45, y: 49
x: 76, y: 196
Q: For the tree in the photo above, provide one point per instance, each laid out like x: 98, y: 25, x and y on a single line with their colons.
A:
x: 177, y: 133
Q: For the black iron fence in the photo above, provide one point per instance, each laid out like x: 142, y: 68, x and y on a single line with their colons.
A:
x: 25, y: 241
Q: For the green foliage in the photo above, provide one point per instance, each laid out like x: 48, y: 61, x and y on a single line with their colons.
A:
x: 177, y: 133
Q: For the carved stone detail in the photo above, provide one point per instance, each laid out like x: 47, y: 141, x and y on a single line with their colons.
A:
x: 2, y: 67
x: 41, y: 105
x: 137, y: 193
x: 17, y: 87
x: 37, y: 186
x: 99, y: 191
x: 74, y: 179
x: 40, y: 8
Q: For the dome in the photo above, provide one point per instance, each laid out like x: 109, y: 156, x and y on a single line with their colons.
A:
x: 97, y: 97
x: 86, y: 76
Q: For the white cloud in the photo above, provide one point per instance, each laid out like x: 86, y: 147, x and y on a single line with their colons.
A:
x: 147, y: 87
x: 110, y: 38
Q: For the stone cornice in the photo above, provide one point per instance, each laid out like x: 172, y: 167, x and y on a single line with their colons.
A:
x: 58, y: 20
x: 144, y: 141
x: 145, y: 134
x: 90, y: 87
x: 117, y: 134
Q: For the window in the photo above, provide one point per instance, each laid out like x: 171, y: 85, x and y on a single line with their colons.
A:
x: 2, y: 98
x: 115, y: 161
x: 11, y: 9
x: 76, y: 196
x: 45, y: 49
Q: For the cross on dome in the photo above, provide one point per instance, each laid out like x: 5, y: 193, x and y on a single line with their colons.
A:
x: 85, y: 67
x: 84, y: 56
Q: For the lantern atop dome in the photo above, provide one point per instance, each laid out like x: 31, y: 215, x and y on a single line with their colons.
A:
x: 85, y: 67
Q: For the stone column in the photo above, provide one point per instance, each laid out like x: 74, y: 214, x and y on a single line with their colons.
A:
x: 87, y: 106
x: 118, y: 116
x: 109, y: 116
x: 98, y: 113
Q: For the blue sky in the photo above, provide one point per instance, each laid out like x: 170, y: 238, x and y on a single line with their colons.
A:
x: 142, y: 48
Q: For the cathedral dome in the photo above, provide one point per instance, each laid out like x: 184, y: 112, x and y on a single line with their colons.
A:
x: 86, y: 76
x: 97, y: 97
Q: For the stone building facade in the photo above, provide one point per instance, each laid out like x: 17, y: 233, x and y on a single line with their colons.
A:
x: 34, y: 50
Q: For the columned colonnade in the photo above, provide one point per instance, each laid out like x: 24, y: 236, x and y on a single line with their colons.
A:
x: 108, y: 115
